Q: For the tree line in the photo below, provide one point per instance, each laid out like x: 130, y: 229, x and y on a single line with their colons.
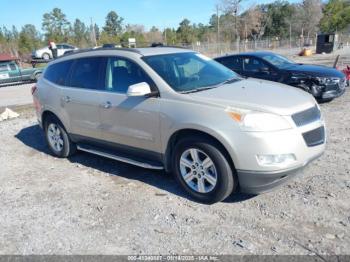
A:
x: 279, y: 19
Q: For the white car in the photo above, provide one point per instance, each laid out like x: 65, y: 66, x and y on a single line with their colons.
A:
x: 46, y: 54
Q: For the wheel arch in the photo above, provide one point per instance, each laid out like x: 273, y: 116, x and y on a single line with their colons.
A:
x: 191, y: 132
x: 47, y: 113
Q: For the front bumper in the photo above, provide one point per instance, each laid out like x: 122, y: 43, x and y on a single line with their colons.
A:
x: 334, y: 91
x: 253, y: 182
x: 333, y: 94
x: 306, y: 143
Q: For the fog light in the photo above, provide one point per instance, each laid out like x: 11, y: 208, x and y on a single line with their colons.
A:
x: 271, y: 160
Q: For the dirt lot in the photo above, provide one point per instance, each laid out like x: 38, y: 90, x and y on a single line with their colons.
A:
x: 92, y: 205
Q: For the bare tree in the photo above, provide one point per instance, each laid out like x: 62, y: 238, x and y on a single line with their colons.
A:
x: 307, y: 18
x: 232, y: 7
x: 140, y: 29
x: 254, y: 23
x: 313, y: 15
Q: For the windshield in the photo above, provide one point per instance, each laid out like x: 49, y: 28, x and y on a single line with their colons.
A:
x: 186, y: 72
x: 278, y: 60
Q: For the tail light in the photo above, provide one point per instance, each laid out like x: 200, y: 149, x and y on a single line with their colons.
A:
x: 33, y: 89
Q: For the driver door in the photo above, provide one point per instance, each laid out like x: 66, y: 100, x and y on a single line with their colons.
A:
x: 257, y: 68
x: 128, y: 122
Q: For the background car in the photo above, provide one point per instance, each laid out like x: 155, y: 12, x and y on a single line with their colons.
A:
x: 324, y: 83
x: 11, y: 73
x: 46, y: 54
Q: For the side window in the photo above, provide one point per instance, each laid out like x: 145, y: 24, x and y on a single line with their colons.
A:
x: 57, y: 73
x: 253, y: 65
x: 13, y: 66
x: 86, y: 72
x: 122, y: 73
x: 234, y: 63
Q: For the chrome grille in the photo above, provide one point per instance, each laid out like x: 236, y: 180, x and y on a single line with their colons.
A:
x: 306, y: 117
x: 315, y: 137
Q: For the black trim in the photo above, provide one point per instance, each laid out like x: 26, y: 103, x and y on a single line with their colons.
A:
x: 315, y: 137
x: 140, y: 155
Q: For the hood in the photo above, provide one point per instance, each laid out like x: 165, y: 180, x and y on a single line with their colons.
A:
x: 259, y: 95
x: 315, y: 70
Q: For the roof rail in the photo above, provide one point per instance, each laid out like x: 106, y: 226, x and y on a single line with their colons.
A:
x: 154, y: 45
x: 80, y: 51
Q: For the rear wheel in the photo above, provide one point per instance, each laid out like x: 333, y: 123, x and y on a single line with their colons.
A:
x: 58, y: 139
x: 46, y: 56
x: 203, y: 170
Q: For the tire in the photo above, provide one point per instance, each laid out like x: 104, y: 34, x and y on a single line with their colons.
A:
x: 46, y: 56
x: 324, y: 100
x: 219, y: 169
x: 57, y: 138
x: 37, y: 76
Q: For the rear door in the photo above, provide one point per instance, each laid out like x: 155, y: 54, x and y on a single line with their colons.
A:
x: 232, y: 62
x: 129, y: 122
x: 81, y: 98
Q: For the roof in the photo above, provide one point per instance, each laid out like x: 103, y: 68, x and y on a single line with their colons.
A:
x: 7, y: 57
x: 257, y: 53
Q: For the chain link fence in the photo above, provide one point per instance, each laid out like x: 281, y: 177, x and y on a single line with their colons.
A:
x: 292, y: 44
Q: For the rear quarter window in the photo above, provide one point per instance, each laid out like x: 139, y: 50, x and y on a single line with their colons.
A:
x: 86, y: 73
x: 58, y: 73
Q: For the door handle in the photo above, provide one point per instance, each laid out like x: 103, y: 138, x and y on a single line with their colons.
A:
x: 107, y: 105
x: 67, y: 99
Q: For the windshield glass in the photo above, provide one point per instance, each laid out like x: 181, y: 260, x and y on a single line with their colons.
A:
x: 185, y: 72
x: 278, y: 60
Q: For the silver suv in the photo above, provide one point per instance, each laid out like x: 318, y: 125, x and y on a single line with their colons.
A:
x: 178, y: 110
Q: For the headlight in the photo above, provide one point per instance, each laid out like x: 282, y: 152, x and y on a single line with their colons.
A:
x: 328, y: 80
x: 258, y: 121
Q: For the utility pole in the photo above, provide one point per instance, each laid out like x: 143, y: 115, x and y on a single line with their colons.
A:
x: 165, y: 39
x: 290, y: 34
x: 218, y: 29
x: 93, y: 32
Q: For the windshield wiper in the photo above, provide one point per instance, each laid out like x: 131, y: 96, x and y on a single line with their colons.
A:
x: 229, y: 81
x: 197, y: 90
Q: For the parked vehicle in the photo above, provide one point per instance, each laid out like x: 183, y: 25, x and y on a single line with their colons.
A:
x: 324, y: 83
x: 46, y: 54
x: 175, y: 109
x: 11, y: 73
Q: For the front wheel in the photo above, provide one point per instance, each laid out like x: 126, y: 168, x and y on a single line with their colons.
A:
x: 203, y: 170
x: 58, y: 139
x: 36, y: 77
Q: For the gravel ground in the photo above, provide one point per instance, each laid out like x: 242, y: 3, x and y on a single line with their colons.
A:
x: 91, y: 205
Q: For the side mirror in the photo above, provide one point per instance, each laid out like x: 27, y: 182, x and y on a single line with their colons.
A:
x: 140, y: 89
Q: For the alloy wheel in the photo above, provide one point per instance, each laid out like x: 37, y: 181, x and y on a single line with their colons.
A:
x: 198, y: 170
